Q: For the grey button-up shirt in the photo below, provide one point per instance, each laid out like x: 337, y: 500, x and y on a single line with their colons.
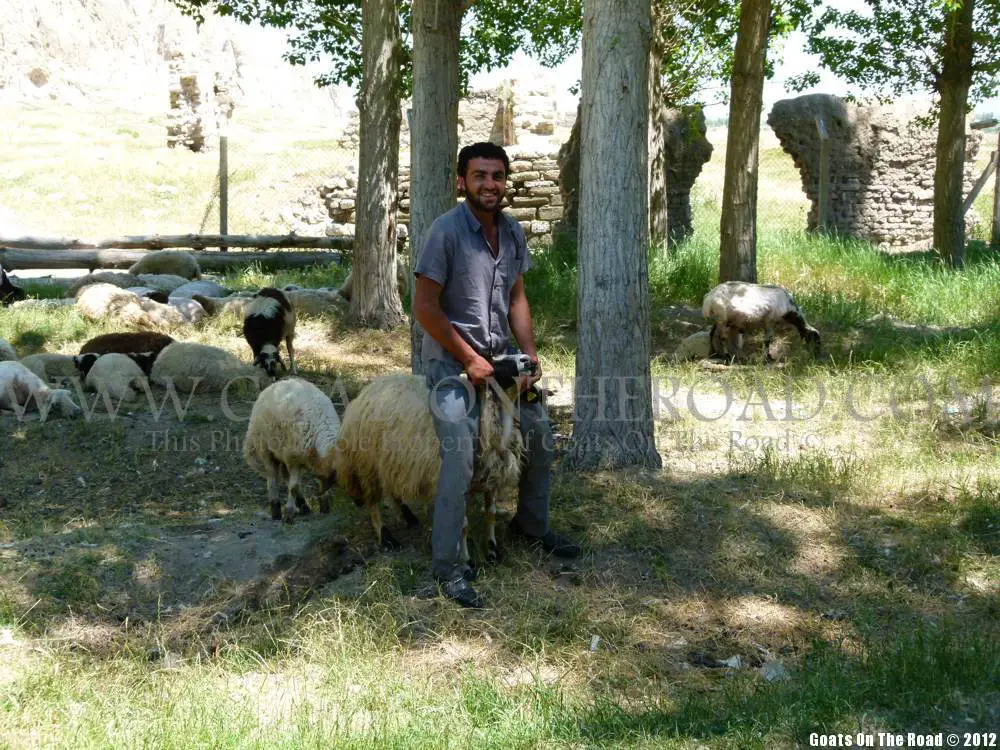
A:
x: 476, y: 286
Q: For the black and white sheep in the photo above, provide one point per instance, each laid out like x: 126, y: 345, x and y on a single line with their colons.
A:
x: 9, y: 293
x: 142, y: 347
x: 268, y: 320
x: 388, y: 447
x: 293, y: 431
x: 19, y: 387
x: 739, y: 307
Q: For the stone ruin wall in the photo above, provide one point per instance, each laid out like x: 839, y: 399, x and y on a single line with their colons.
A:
x: 881, y: 168
x: 201, y: 102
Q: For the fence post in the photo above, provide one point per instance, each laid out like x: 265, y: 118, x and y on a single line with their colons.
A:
x: 823, y: 218
x: 223, y: 186
x: 995, y: 234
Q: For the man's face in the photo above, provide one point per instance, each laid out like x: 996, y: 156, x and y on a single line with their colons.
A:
x: 484, y: 183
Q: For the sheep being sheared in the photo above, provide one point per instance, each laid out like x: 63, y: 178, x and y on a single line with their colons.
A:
x: 738, y: 307
x: 268, y: 320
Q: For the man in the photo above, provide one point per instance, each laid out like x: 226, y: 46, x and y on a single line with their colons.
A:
x: 469, y: 299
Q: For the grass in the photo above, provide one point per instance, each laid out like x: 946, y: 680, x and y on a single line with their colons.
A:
x: 855, y: 544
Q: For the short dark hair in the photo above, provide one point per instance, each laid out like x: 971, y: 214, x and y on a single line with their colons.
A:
x: 481, y: 150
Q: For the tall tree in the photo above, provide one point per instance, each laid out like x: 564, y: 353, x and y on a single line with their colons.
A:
x: 375, y: 302
x: 738, y: 236
x: 434, y: 127
x: 899, y: 47
x: 613, y: 418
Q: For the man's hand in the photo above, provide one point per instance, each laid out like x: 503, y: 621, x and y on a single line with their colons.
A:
x: 478, y: 369
x: 526, y: 381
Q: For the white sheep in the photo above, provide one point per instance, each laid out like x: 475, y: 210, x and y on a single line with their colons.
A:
x: 119, y: 279
x: 312, y: 302
x: 174, y: 262
x: 696, y: 346
x: 190, y: 366
x: 293, y: 430
x: 268, y: 320
x: 118, y: 375
x: 204, y: 287
x: 388, y: 446
x: 738, y: 307
x: 162, y: 282
x: 47, y: 365
x: 7, y: 352
x: 19, y: 386
x: 99, y: 301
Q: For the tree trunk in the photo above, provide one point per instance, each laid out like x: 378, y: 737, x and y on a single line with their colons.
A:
x: 434, y: 127
x: 738, y: 241
x: 613, y: 417
x: 953, y: 86
x: 658, y: 224
x: 376, y: 302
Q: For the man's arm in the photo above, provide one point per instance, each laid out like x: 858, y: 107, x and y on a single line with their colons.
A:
x: 427, y: 310
x: 519, y: 316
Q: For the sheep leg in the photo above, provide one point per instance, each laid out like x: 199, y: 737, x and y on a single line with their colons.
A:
x: 291, y: 354
x: 272, y: 492
x: 490, y: 516
x: 385, y: 538
x: 295, y: 498
x: 768, y: 338
x: 408, y: 516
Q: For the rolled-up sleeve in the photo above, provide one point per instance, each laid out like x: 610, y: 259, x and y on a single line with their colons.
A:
x: 434, y: 261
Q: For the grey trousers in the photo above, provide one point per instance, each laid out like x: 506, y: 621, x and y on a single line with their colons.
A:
x: 456, y: 421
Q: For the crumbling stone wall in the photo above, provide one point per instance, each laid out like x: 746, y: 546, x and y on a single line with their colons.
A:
x: 687, y: 149
x: 200, y: 100
x: 532, y: 198
x: 881, y: 167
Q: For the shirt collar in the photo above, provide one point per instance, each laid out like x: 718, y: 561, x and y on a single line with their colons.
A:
x: 474, y: 224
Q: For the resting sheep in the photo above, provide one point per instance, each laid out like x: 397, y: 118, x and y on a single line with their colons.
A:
x: 268, y: 320
x: 738, y: 307
x: 173, y: 262
x: 388, y: 446
x: 118, y: 375
x: 293, y: 430
x: 7, y: 351
x: 48, y: 365
x: 696, y: 346
x: 127, y: 342
x: 191, y: 366
x: 19, y: 386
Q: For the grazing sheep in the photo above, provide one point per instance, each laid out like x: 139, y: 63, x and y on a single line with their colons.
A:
x: 173, y: 262
x: 293, y: 430
x: 388, y: 446
x: 268, y: 320
x: 19, y: 386
x: 738, y: 307
x: 8, y: 291
x: 7, y: 351
x: 191, y: 366
x: 48, y: 366
x: 696, y: 346
x: 118, y: 375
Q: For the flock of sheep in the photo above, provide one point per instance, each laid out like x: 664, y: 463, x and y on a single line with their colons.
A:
x: 385, y: 444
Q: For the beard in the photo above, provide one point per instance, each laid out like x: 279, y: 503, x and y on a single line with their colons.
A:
x: 477, y: 202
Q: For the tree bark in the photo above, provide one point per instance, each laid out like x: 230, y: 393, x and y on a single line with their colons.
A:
x: 433, y: 129
x: 376, y: 302
x: 658, y: 224
x: 613, y: 417
x: 953, y: 87
x: 738, y: 241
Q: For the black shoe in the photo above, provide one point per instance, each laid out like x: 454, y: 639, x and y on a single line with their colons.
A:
x: 552, y: 542
x: 460, y: 591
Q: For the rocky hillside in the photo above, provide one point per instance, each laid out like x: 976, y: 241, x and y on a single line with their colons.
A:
x: 116, y: 51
